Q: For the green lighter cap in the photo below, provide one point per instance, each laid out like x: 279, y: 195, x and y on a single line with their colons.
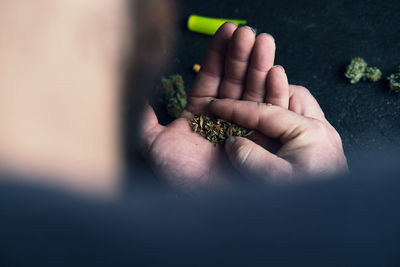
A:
x: 208, y: 25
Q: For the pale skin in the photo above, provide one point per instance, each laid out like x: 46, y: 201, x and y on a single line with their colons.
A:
x: 59, y: 84
x: 239, y: 70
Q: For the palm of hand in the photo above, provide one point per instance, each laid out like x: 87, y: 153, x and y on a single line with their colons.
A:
x: 186, y: 158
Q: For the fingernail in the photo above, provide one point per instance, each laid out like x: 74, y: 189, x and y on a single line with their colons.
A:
x: 279, y: 66
x: 231, y: 22
x: 251, y: 28
x: 264, y: 33
x: 230, y: 140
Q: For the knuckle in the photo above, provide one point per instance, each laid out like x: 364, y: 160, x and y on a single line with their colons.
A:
x: 317, y: 126
x: 303, y: 90
x: 336, y: 136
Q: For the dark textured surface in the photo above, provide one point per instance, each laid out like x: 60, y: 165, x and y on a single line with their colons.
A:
x: 315, y: 40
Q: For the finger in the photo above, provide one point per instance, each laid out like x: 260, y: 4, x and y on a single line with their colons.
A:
x: 150, y: 128
x: 273, y: 121
x: 277, y: 87
x: 209, y: 78
x: 236, y: 63
x: 262, y: 59
x: 272, y: 145
x: 302, y: 102
x: 196, y: 106
x: 250, y: 158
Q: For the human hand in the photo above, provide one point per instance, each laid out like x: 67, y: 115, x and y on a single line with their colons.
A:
x: 310, y: 147
x: 235, y: 66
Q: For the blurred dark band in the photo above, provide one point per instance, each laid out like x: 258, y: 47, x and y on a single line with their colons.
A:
x: 152, y: 42
x: 352, y: 220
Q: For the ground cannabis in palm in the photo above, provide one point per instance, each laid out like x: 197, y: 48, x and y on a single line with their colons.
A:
x: 216, y: 130
x: 174, y: 95
x: 358, y: 69
x: 394, y: 82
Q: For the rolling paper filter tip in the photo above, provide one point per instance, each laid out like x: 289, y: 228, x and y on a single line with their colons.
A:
x: 208, y: 25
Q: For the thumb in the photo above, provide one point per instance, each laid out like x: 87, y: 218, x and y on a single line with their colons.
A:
x: 149, y: 128
x: 251, y: 159
x: 272, y: 121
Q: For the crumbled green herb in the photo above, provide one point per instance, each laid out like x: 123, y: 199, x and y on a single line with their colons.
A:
x: 394, y: 82
x: 174, y: 95
x: 358, y: 69
x: 355, y: 70
x: 373, y: 74
x: 216, y: 130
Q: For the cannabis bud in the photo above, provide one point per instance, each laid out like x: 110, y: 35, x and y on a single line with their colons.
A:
x: 355, y: 70
x: 358, y: 69
x: 174, y: 95
x: 373, y: 74
x: 394, y: 82
x: 216, y: 130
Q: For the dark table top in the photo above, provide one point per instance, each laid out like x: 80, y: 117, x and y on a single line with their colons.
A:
x: 315, y: 41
